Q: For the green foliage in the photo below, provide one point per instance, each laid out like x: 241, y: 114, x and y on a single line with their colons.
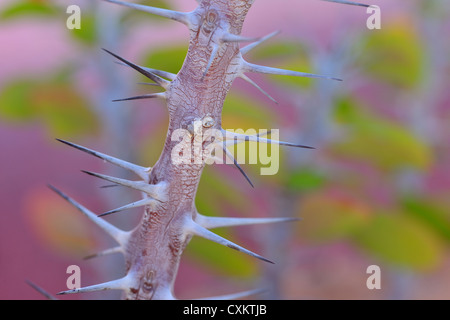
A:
x: 167, y: 58
x: 27, y: 8
x: 374, y: 139
x: 88, y: 33
x: 305, y: 179
x: 393, y: 55
x: 57, y: 104
x: 401, y: 241
x: 431, y: 213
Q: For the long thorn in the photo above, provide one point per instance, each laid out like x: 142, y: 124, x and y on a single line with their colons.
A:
x: 198, y: 230
x: 136, y: 204
x: 211, y: 59
x: 349, y: 3
x: 144, y: 96
x: 119, y: 284
x: 250, y: 67
x: 230, y: 156
x: 243, y: 137
x: 119, y: 235
x: 183, y: 17
x: 229, y: 37
x: 40, y: 290
x: 161, y: 73
x: 162, y: 82
x: 150, y: 189
x: 244, y: 77
x: 117, y: 249
x: 142, y: 172
x: 219, y: 222
x: 249, y: 47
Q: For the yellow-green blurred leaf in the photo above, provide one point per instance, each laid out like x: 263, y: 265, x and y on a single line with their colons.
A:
x: 384, y: 143
x: 64, y: 110
x: 393, y: 55
x: 168, y: 59
x: 431, y: 213
x: 304, y: 179
x: 87, y: 33
x: 329, y: 216
x: 242, y: 112
x: 27, y: 7
x: 15, y: 102
x: 402, y: 241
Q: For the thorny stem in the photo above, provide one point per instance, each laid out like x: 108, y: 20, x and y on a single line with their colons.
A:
x: 153, y: 249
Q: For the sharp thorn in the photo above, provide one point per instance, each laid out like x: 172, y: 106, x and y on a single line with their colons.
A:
x: 232, y: 136
x: 244, y: 77
x: 160, y: 81
x: 119, y: 284
x: 184, y: 18
x: 230, y: 156
x: 150, y: 189
x: 249, y: 47
x: 136, y: 204
x: 117, y: 249
x: 211, y: 59
x: 40, y: 290
x: 145, y: 96
x: 349, y: 3
x: 198, y: 230
x: 161, y: 73
x: 109, y: 186
x: 229, y: 37
x: 220, y: 222
x: 142, y: 172
x: 119, y: 235
x: 250, y: 67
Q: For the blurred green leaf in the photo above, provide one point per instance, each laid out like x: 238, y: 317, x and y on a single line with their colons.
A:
x: 214, y: 191
x: 399, y: 240
x: 285, y: 54
x: 431, y: 213
x: 15, y: 101
x: 27, y: 7
x: 131, y: 15
x: 382, y: 142
x: 64, y: 110
x: 56, y: 103
x: 87, y: 34
x: 305, y: 179
x: 242, y: 112
x: 168, y: 58
x: 329, y: 217
x: 393, y: 55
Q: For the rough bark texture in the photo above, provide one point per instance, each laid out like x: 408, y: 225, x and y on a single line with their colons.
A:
x: 155, y: 247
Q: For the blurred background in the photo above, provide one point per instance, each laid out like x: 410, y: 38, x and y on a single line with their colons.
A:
x: 374, y: 192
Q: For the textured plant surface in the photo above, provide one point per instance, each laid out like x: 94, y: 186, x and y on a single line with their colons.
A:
x: 194, y: 98
x: 374, y: 192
